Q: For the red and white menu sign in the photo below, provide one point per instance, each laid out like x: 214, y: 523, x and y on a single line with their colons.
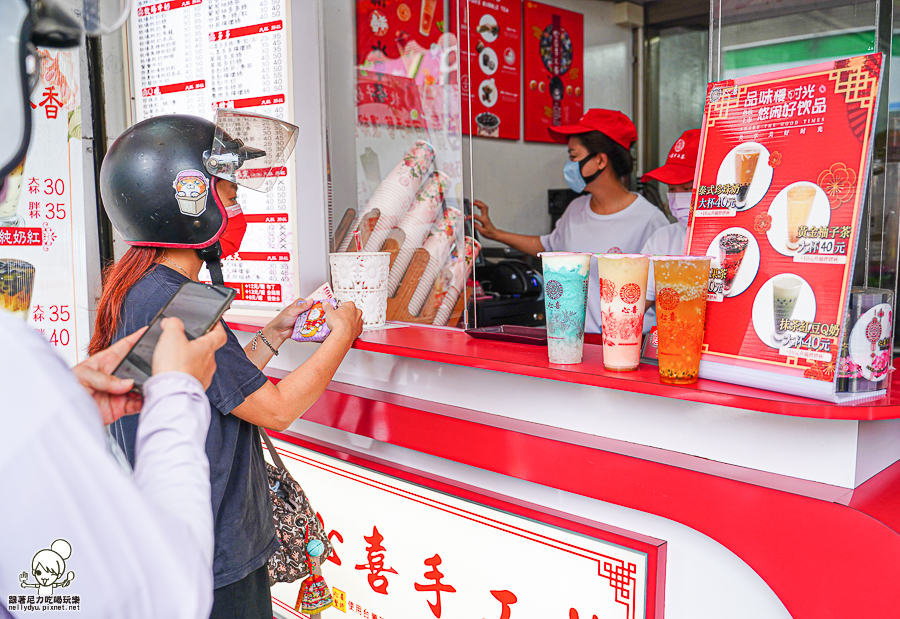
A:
x: 490, y: 44
x: 193, y: 56
x: 42, y: 215
x: 554, y: 69
x: 784, y: 159
x: 402, y: 550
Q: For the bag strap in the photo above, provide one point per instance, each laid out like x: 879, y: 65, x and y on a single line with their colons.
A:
x: 272, y: 451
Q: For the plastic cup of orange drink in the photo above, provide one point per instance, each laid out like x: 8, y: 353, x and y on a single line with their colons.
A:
x: 682, y: 283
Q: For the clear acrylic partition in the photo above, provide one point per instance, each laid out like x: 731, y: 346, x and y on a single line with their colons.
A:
x: 396, y: 152
x: 748, y: 38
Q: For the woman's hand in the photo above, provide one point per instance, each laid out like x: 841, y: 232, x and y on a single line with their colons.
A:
x: 483, y: 223
x: 112, y: 395
x: 174, y: 353
x: 282, y: 326
x: 345, y: 321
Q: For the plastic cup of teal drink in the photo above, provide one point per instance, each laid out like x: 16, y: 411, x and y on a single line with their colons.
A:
x: 565, y: 299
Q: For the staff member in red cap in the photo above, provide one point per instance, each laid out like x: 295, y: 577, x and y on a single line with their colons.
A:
x: 678, y: 175
x: 609, y: 218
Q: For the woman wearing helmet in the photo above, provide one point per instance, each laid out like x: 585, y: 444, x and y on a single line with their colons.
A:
x: 172, y: 197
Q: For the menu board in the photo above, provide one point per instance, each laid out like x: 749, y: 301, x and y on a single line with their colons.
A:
x: 490, y: 44
x: 43, y: 273
x: 554, y: 69
x: 194, y: 56
x: 784, y: 159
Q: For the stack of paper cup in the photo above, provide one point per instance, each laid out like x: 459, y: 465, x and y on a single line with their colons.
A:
x: 417, y: 223
x: 395, y: 194
x: 458, y: 272
x: 438, y: 245
x: 361, y: 277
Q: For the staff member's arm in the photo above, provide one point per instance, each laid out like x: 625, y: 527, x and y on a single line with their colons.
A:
x: 525, y: 243
x: 275, y: 407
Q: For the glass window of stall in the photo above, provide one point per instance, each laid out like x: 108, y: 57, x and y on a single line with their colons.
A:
x: 532, y: 66
x: 748, y: 38
x: 392, y: 76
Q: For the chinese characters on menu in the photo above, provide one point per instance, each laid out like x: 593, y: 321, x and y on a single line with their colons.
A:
x: 194, y: 56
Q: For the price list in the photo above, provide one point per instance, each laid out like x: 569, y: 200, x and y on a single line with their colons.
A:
x: 195, y: 56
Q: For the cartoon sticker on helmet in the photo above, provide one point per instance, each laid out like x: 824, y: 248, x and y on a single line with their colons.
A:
x: 191, y: 187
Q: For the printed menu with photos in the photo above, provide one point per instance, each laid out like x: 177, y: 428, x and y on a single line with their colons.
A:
x: 554, y: 69
x: 194, y: 56
x: 784, y: 159
x: 490, y: 55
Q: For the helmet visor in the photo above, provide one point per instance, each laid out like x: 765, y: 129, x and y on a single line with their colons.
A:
x: 250, y: 149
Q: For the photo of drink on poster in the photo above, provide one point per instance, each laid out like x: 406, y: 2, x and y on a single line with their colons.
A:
x: 490, y: 44
x: 784, y: 159
x: 554, y: 69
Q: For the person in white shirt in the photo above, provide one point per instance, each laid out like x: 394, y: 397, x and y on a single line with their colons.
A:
x: 609, y: 218
x: 678, y: 175
x: 73, y: 522
x: 80, y: 536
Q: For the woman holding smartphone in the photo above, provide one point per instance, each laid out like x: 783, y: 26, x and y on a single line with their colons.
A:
x: 168, y: 186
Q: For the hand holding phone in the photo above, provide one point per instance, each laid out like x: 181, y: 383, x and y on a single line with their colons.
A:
x: 198, y: 306
x: 175, y: 353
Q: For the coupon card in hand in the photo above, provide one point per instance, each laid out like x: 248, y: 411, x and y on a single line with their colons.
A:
x: 311, y: 325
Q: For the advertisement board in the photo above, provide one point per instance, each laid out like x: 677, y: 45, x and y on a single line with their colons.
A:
x: 779, y: 188
x: 43, y: 275
x: 554, y: 69
x: 490, y: 44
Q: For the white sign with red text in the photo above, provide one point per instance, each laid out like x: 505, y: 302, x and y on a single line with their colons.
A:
x: 194, y: 56
x: 47, y: 227
x: 403, y: 551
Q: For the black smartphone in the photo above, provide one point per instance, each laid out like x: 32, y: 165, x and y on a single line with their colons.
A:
x: 199, y: 306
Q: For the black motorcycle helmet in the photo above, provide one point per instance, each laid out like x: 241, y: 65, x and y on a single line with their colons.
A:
x: 144, y: 172
x: 158, y: 180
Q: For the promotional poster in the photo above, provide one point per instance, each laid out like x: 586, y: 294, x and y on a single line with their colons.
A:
x: 490, y: 49
x: 554, y: 69
x: 43, y: 277
x: 779, y: 187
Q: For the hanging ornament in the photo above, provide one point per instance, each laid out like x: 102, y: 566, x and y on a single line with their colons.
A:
x: 873, y: 330
x: 314, y: 596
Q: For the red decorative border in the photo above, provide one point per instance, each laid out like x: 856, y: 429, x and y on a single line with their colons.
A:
x: 815, y: 555
x: 620, y: 575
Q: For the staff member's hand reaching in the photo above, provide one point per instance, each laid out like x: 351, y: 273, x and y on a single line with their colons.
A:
x: 483, y: 223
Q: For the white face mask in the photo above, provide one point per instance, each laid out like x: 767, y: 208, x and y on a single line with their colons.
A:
x: 680, y: 205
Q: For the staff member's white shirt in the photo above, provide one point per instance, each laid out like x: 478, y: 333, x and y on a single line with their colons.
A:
x: 668, y: 241
x: 625, y: 232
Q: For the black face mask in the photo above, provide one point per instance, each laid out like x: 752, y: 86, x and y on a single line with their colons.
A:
x: 589, y: 179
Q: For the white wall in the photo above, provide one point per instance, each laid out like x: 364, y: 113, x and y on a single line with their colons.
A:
x: 513, y: 177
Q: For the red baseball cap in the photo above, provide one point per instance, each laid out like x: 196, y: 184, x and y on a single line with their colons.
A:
x: 612, y: 124
x: 680, y: 164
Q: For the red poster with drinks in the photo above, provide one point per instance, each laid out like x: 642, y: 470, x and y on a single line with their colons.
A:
x: 391, y: 29
x: 783, y: 165
x: 490, y: 67
x: 554, y: 69
x: 405, y: 56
